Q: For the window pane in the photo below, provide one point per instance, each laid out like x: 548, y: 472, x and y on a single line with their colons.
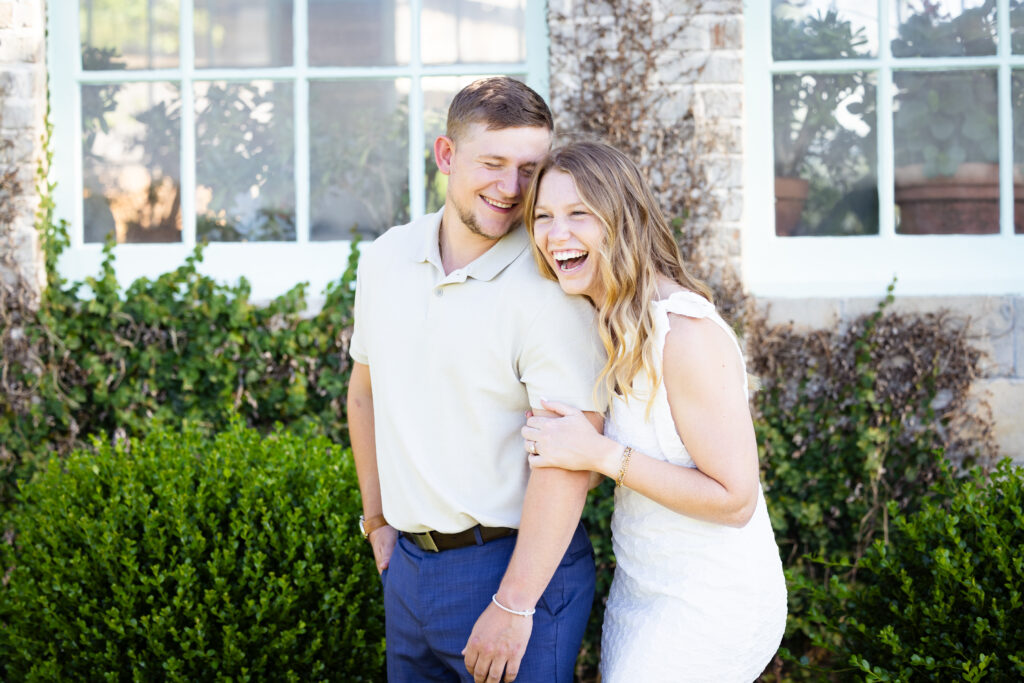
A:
x: 245, y: 162
x: 128, y: 34
x: 130, y: 162
x: 457, y: 31
x: 944, y: 28
x: 824, y: 29
x: 359, y: 157
x: 945, y: 127
x: 825, y: 158
x: 358, y: 32
x: 1017, y: 26
x: 233, y: 33
x: 1018, y: 151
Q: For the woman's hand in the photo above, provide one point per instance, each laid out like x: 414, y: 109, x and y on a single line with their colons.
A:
x: 569, y: 441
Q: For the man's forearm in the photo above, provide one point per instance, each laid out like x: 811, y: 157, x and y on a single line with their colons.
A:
x: 364, y: 445
x: 551, y: 512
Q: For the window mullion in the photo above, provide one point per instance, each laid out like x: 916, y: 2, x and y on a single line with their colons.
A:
x: 884, y: 126
x: 66, y: 144
x: 538, y: 77
x: 186, y: 41
x: 417, y: 190
x: 300, y: 92
x: 1005, y: 103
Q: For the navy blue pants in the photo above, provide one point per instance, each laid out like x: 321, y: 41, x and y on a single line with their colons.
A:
x: 432, y: 600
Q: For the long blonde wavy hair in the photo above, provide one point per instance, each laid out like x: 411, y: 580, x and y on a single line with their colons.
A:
x: 638, y: 246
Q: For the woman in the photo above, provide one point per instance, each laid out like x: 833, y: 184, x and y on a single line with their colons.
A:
x: 698, y: 592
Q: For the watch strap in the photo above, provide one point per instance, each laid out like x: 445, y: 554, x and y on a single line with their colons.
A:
x: 371, y: 524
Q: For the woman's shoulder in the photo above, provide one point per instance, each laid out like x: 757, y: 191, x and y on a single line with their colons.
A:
x: 696, y: 346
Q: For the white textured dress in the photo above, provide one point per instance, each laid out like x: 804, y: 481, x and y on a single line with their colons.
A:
x: 691, y: 600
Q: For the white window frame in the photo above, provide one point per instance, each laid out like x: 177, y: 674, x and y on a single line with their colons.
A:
x: 853, y: 266
x: 271, y: 267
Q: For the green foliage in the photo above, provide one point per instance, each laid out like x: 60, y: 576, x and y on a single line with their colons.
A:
x: 854, y: 424
x: 597, y: 516
x: 182, y: 557
x: 834, y: 453
x: 180, y: 347
x: 944, y: 598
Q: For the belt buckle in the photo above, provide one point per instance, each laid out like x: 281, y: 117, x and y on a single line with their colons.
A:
x: 425, y: 541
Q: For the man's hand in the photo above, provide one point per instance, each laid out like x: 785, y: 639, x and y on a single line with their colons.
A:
x: 383, y: 542
x: 497, y: 643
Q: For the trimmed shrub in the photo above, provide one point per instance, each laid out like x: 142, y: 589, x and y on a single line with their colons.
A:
x: 99, y: 359
x: 855, y: 422
x: 184, y: 557
x: 944, y: 598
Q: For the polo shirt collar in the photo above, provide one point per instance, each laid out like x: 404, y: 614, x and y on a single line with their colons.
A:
x: 487, y: 265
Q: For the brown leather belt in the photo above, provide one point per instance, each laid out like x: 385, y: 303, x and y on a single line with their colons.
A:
x: 435, y: 541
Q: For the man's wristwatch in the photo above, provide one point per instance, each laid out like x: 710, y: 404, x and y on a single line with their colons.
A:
x: 368, y: 526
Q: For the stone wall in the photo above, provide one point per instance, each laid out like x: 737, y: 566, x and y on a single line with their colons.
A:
x: 995, y: 325
x: 22, y: 127
x: 685, y: 127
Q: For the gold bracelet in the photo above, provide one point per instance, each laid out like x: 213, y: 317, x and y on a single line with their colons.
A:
x: 624, y: 464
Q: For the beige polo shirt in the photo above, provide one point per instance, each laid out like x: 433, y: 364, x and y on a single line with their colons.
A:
x: 455, y: 361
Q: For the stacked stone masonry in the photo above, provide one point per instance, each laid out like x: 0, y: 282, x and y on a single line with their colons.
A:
x: 700, y: 74
x: 22, y: 127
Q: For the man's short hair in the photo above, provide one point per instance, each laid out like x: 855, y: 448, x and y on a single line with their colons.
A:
x: 499, y: 102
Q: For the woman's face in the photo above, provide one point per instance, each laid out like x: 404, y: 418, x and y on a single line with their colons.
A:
x: 568, y: 234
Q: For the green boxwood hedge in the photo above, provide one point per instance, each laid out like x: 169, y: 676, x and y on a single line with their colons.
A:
x: 943, y: 600
x: 184, y: 557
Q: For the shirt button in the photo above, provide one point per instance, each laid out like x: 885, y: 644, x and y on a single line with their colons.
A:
x: 439, y: 292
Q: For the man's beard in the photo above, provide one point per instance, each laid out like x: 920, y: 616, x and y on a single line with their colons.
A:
x: 469, y: 220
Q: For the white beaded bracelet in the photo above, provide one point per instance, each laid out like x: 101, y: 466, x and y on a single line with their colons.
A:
x: 525, y: 613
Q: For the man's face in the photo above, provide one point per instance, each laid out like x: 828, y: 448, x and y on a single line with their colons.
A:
x: 488, y: 173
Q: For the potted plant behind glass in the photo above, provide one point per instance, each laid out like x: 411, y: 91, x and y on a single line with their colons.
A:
x: 946, y: 126
x: 808, y: 138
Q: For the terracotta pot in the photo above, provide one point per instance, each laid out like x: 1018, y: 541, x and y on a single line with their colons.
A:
x: 965, y: 203
x: 790, y: 197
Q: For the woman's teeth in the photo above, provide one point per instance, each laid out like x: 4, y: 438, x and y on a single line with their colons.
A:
x: 569, y: 260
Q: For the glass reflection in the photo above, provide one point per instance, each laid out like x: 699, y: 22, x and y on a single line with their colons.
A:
x: 944, y: 28
x: 245, y: 162
x: 235, y: 33
x: 130, y: 162
x: 825, y: 154
x: 824, y: 29
x: 460, y: 31
x: 359, y: 158
x: 1017, y: 89
x: 946, y: 134
x: 1017, y: 26
x: 128, y: 34
x: 358, y: 32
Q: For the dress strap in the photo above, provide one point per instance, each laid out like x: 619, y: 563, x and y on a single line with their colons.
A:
x: 692, y: 305
x: 687, y: 303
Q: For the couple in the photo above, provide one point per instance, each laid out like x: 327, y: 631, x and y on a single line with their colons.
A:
x: 487, y: 572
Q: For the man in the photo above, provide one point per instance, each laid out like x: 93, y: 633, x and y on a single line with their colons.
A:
x: 487, y: 572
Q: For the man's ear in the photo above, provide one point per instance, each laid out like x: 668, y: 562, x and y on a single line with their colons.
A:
x: 444, y: 151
